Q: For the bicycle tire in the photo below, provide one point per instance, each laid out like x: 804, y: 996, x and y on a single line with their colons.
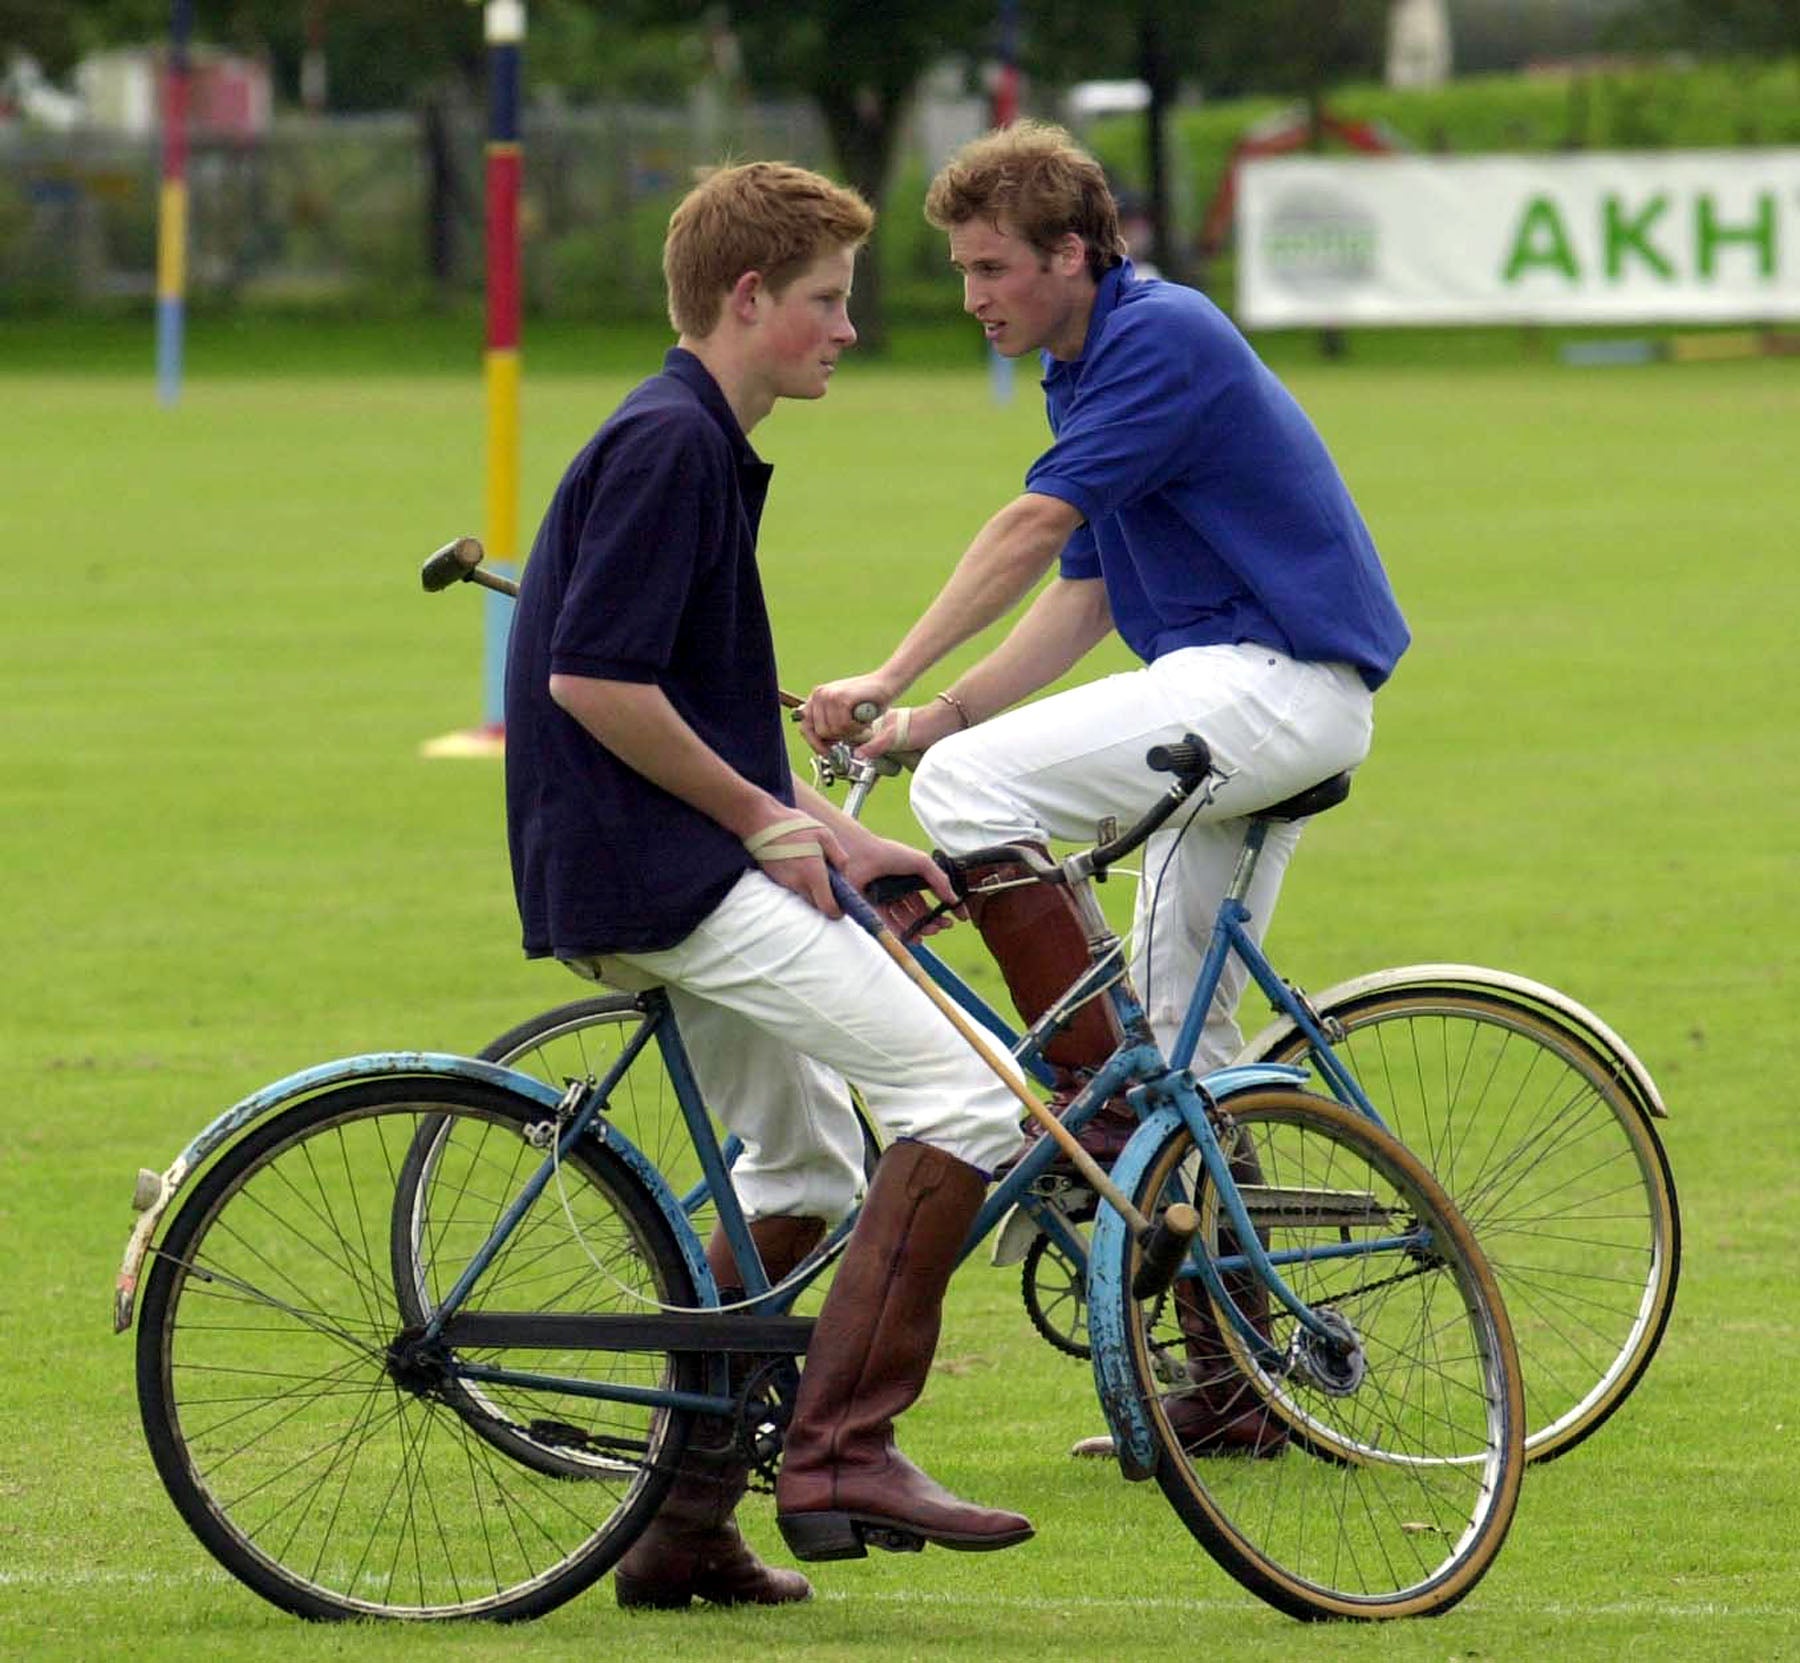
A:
x: 1556, y: 1166
x: 327, y: 1471
x: 1396, y: 1488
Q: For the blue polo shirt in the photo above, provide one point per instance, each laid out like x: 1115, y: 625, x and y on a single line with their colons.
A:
x: 1214, y: 512
x: 643, y: 570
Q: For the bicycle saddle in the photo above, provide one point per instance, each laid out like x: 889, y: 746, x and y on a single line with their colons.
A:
x: 1315, y: 799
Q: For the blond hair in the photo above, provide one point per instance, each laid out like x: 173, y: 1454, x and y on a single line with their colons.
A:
x: 1044, y: 185
x: 765, y: 217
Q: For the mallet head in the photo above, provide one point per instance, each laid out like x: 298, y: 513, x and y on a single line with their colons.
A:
x: 455, y: 562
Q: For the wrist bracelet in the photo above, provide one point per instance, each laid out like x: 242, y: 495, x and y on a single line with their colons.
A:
x: 956, y: 704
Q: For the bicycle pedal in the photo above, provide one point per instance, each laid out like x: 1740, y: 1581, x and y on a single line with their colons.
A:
x: 1012, y: 1241
x: 890, y: 1540
x: 559, y: 1434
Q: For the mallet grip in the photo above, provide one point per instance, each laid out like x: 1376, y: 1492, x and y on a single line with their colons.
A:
x: 1165, y: 1251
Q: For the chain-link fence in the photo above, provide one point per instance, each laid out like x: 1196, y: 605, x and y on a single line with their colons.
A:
x: 382, y: 212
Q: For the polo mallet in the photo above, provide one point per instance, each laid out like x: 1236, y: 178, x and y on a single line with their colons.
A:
x: 460, y: 562
x: 1164, y: 1244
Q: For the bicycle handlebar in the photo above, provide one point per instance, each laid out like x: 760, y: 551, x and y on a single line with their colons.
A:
x: 1190, y: 762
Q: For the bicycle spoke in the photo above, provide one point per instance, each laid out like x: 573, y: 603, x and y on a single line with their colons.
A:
x: 1556, y: 1168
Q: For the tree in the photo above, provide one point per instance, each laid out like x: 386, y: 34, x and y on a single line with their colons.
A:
x: 860, y: 64
x: 383, y: 51
x: 1727, y: 26
x: 1230, y: 47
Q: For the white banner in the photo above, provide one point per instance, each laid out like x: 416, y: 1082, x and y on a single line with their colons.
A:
x: 1697, y: 236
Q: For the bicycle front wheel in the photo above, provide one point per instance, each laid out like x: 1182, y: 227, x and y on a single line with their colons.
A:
x: 583, y: 1040
x: 1391, y: 1459
x: 328, y: 1459
x: 1554, y: 1164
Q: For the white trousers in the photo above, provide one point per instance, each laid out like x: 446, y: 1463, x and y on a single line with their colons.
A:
x: 1057, y: 767
x: 778, y: 1006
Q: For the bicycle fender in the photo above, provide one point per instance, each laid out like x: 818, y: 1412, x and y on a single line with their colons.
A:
x: 156, y: 1192
x: 1110, y: 1309
x: 1245, y: 1076
x: 1109, y: 1296
x: 1573, y: 1018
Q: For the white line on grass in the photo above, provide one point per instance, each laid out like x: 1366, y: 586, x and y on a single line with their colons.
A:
x: 64, y: 1577
x: 1709, y: 1612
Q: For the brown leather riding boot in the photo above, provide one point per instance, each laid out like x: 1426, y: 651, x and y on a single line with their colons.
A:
x: 1220, y: 1412
x: 693, y: 1548
x: 1036, y: 937
x: 843, y: 1486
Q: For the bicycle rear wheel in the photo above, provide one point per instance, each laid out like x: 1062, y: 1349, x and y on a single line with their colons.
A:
x: 1397, y: 1470
x: 322, y: 1455
x: 582, y: 1040
x: 1557, y: 1168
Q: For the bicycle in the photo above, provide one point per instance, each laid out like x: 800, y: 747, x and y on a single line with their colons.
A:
x: 1531, y: 1112
x: 427, y: 1337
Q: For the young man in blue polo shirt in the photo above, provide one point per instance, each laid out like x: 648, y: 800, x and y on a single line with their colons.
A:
x: 1187, y: 503
x: 658, y: 837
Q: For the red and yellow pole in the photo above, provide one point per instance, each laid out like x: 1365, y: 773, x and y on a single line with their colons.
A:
x: 504, y: 27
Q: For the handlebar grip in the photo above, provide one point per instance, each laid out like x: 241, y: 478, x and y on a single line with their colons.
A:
x: 1190, y: 759
x: 866, y: 712
x: 893, y: 886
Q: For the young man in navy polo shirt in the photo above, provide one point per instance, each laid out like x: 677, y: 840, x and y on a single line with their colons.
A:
x: 658, y: 837
x: 1187, y: 503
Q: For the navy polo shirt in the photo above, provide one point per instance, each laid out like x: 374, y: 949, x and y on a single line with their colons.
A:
x: 643, y: 570
x: 1214, y: 512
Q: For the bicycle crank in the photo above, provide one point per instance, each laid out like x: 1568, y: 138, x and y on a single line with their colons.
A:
x: 1333, y: 1361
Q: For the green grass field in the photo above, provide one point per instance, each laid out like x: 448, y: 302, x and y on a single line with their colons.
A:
x: 224, y: 860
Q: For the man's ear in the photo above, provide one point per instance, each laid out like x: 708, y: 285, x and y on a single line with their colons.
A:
x: 1071, y: 253
x: 741, y: 302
